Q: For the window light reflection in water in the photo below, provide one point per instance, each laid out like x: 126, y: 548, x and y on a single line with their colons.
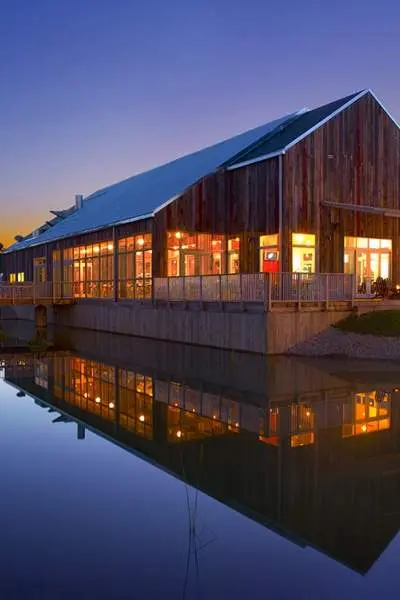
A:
x: 192, y: 414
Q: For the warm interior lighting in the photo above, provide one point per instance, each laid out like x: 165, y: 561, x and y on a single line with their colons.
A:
x: 303, y: 239
x: 140, y: 242
x: 179, y: 434
x: 97, y: 400
x: 308, y: 413
x: 364, y: 428
x: 85, y: 395
x: 178, y: 235
x: 111, y: 405
x: 110, y: 246
x: 141, y: 418
x: 96, y: 249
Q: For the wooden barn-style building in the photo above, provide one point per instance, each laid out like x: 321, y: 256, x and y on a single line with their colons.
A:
x: 314, y: 191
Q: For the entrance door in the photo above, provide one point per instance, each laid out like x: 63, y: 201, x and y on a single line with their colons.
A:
x: 372, y: 265
x: 367, y: 258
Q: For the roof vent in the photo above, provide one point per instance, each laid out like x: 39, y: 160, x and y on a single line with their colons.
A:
x: 78, y: 201
x: 19, y: 238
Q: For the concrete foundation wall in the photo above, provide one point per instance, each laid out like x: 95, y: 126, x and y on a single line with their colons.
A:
x: 286, y: 329
x: 259, y: 332
x: 236, y: 331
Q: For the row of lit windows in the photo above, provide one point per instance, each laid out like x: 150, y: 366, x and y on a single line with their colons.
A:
x: 191, y: 413
x: 192, y: 254
x: 17, y: 277
x: 88, y: 271
x: 135, y: 267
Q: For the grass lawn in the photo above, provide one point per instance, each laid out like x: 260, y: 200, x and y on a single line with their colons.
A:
x: 384, y: 322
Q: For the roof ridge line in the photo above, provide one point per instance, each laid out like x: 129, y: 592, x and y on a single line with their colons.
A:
x: 292, y: 117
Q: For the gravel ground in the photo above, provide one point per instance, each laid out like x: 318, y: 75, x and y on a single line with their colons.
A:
x: 334, y: 342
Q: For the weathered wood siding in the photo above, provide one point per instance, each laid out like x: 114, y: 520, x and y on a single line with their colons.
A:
x: 242, y: 202
x: 352, y: 159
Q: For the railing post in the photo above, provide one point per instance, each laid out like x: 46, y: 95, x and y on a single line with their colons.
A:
x: 12, y: 295
x: 298, y: 291
x: 353, y: 288
x: 267, y: 292
x: 326, y: 283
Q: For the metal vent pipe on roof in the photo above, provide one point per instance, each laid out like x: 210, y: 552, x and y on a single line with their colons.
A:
x: 78, y: 201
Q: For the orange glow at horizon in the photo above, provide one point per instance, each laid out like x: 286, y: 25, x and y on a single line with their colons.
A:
x: 20, y: 224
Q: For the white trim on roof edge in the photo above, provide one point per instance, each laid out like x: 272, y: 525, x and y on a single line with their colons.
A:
x: 328, y: 118
x: 252, y: 161
x: 384, y: 108
x: 71, y: 235
x: 167, y: 202
x: 312, y: 129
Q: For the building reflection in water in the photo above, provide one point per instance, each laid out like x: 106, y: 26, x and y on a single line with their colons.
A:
x: 320, y: 468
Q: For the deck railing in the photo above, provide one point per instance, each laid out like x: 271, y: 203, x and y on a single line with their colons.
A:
x: 266, y: 288
x: 261, y: 288
x: 30, y: 293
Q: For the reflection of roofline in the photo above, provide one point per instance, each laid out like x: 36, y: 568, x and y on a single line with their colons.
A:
x: 139, y: 454
x: 256, y: 517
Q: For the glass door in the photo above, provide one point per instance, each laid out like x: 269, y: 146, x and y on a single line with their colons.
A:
x: 190, y: 264
x: 361, y: 266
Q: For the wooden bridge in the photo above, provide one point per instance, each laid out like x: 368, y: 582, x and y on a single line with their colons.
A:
x: 33, y: 293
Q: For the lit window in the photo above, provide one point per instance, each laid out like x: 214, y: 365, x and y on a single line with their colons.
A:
x: 88, y: 271
x: 13, y: 278
x: 268, y: 240
x: 303, y: 239
x: 303, y: 253
x: 367, y: 257
x: 21, y: 277
x: 135, y: 267
x: 234, y: 255
x: 193, y: 254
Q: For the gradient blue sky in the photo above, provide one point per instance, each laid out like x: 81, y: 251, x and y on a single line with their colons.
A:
x: 93, y: 91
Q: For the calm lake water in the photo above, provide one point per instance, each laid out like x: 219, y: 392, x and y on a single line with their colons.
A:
x: 132, y: 470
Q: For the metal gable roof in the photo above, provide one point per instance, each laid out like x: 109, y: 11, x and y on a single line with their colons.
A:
x: 141, y: 195
x: 288, y: 133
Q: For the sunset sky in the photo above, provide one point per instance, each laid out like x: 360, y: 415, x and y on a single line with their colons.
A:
x: 93, y: 91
